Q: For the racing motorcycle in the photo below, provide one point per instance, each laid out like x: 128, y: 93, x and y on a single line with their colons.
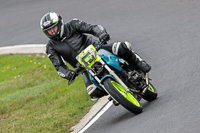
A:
x: 124, y: 84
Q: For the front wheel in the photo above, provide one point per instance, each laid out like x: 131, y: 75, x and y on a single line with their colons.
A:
x: 151, y: 93
x: 126, y: 99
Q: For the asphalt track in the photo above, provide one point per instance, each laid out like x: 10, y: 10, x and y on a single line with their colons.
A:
x: 165, y: 33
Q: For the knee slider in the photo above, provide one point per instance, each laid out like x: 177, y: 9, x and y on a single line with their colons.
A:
x: 122, y: 50
x: 115, y: 48
x: 128, y: 45
x: 119, y: 47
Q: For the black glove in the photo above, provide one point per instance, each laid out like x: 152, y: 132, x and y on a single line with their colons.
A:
x: 104, y: 37
x: 70, y: 75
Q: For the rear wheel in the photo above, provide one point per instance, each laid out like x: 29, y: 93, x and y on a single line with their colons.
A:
x: 151, y: 94
x: 126, y: 99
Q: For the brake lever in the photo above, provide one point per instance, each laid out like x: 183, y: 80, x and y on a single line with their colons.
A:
x: 100, y: 45
x: 71, y: 80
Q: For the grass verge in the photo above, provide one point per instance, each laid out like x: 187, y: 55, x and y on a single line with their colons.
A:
x: 33, y: 97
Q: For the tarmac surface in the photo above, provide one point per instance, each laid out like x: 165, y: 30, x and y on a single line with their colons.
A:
x: 165, y: 33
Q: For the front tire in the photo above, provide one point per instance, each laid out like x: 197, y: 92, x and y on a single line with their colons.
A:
x: 126, y: 99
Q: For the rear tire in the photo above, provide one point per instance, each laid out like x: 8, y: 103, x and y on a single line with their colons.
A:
x: 151, y: 94
x: 126, y: 99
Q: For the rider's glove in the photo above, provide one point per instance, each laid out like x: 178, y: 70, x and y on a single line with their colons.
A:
x: 70, y: 74
x: 104, y: 37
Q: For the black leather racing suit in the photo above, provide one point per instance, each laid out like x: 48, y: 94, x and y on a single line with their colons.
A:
x: 74, y: 41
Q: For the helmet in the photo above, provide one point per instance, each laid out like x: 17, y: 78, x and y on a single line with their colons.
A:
x: 52, y: 26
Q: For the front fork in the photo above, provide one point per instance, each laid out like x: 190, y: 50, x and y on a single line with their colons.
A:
x: 112, y: 73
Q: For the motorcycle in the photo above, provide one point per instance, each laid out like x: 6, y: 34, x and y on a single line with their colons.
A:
x: 124, y: 84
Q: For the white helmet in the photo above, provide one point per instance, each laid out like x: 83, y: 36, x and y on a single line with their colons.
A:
x: 50, y: 20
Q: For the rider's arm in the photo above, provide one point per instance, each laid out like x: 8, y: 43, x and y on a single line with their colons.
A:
x: 83, y: 27
x: 63, y: 70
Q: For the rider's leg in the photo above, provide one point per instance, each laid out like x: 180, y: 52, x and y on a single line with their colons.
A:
x: 92, y: 90
x: 123, y: 50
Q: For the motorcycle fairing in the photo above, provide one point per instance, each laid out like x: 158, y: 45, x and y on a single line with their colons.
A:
x: 110, y: 59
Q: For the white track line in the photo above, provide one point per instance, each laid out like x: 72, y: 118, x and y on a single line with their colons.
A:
x: 96, y: 117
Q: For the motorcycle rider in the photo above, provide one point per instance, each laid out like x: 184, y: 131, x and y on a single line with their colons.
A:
x: 68, y: 40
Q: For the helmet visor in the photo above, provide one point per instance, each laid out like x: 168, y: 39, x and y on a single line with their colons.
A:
x: 52, y: 31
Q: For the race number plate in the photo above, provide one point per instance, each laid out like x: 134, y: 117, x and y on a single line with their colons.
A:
x: 88, y: 56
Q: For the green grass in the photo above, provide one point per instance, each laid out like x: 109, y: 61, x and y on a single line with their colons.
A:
x: 34, y: 98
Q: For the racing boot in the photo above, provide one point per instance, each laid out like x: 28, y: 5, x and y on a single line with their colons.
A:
x: 138, y: 63
x: 124, y: 51
x: 143, y: 66
x: 94, y: 92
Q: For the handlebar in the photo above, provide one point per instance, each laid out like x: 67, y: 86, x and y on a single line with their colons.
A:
x: 99, y: 45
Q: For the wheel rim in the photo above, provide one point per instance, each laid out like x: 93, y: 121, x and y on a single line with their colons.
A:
x: 150, y: 88
x: 127, y: 95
